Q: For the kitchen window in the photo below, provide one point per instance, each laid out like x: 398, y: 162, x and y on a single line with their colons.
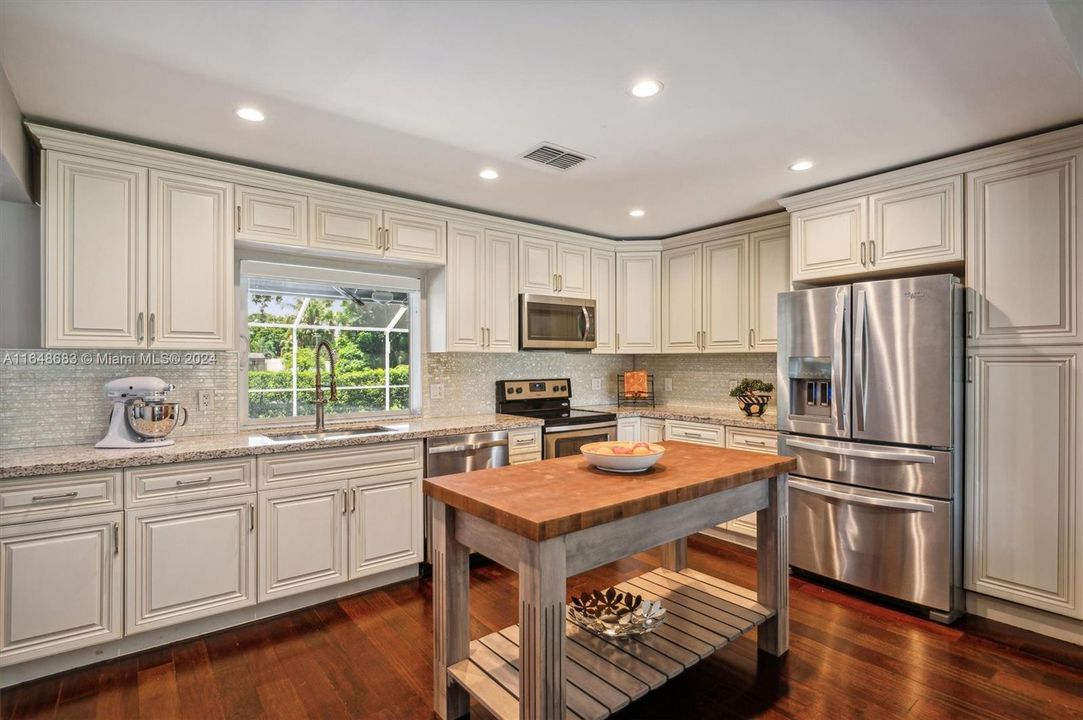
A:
x: 371, y: 320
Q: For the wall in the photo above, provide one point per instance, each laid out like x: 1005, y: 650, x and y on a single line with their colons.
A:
x: 20, y: 276
x: 704, y: 380
x: 15, y: 175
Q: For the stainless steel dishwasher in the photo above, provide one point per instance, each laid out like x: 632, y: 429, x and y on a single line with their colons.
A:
x: 462, y: 453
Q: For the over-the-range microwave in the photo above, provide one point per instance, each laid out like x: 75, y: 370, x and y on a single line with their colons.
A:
x: 549, y: 322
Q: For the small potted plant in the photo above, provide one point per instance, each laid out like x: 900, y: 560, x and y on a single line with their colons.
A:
x: 752, y: 396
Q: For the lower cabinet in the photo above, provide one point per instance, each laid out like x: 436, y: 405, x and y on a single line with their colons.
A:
x: 752, y: 440
x: 302, y: 539
x: 385, y: 523
x: 189, y: 560
x: 652, y: 430
x: 628, y: 429
x: 61, y: 586
x: 524, y: 445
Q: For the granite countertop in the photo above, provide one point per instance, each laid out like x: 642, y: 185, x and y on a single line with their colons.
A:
x: 25, y: 462
x: 721, y: 415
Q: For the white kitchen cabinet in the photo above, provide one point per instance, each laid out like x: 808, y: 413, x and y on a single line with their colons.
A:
x: 682, y: 300
x: 603, y: 286
x: 500, y: 293
x: 828, y: 240
x: 537, y: 265
x: 481, y: 292
x: 61, y: 585
x: 916, y: 225
x: 698, y: 433
x: 414, y: 236
x: 385, y: 525
x: 190, y: 262
x: 351, y: 227
x: 271, y: 216
x: 1024, y: 476
x: 302, y: 539
x: 94, y: 261
x: 652, y: 430
x: 751, y: 440
x: 628, y: 429
x: 1024, y: 258
x: 524, y: 445
x: 639, y: 302
x: 769, y: 275
x: 725, y: 295
x: 573, y: 270
x: 189, y: 560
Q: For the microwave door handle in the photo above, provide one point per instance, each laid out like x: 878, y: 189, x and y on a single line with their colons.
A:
x: 586, y: 323
x: 857, y: 498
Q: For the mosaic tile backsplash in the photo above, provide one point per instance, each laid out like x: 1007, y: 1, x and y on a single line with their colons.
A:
x: 42, y: 405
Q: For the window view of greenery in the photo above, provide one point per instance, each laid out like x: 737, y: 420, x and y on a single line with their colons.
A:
x: 371, y: 339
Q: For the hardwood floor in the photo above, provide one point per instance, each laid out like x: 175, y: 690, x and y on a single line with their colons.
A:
x: 368, y: 656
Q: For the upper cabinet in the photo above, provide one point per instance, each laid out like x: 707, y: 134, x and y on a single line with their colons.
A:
x: 271, y: 216
x: 639, y: 302
x: 115, y: 278
x: 603, y: 283
x: 413, y: 236
x: 350, y: 227
x: 906, y: 227
x: 548, y: 267
x: 722, y: 295
x: 1024, y: 258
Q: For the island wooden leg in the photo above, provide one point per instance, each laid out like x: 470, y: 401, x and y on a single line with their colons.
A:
x: 675, y: 555
x: 773, y: 567
x: 450, y: 611
x: 542, y: 585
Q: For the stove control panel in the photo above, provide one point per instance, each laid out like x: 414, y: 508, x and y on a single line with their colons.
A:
x: 533, y: 389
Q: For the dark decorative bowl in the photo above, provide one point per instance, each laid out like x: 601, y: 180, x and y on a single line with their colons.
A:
x: 753, y: 405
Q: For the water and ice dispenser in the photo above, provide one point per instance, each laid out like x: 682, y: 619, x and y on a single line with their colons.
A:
x: 810, y: 387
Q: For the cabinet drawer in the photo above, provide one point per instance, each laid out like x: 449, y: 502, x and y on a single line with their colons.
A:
x: 59, y: 496
x: 189, y: 481
x: 301, y: 468
x: 526, y: 441
x: 760, y: 441
x: 695, y: 433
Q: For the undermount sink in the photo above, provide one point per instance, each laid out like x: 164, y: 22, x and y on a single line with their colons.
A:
x: 332, y: 433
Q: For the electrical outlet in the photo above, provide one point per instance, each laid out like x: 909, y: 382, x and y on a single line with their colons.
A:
x: 667, y: 384
x: 595, y: 383
x: 205, y: 400
x: 436, y: 391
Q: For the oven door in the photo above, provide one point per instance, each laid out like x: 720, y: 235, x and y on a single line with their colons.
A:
x: 567, y: 439
x: 556, y: 323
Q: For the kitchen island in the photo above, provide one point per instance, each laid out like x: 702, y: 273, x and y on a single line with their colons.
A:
x: 552, y: 519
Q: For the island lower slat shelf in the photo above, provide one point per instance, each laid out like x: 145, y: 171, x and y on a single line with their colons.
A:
x: 703, y: 615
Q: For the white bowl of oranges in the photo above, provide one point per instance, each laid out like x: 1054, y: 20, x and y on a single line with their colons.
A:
x: 622, y: 456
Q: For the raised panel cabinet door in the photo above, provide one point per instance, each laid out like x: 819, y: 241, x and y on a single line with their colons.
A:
x: 1024, y: 259
x: 190, y: 263
x: 94, y: 253
x: 466, y: 288
x: 639, y: 306
x: 409, y: 236
x: 350, y: 227
x: 573, y: 270
x: 628, y: 429
x: 603, y: 286
x: 769, y: 251
x: 270, y: 216
x: 61, y: 585
x: 537, y: 265
x: 385, y: 523
x: 828, y: 240
x: 917, y: 225
x: 1024, y: 484
x: 501, y: 291
x: 189, y: 560
x: 682, y: 299
x: 652, y: 431
x: 725, y: 295
x: 302, y: 539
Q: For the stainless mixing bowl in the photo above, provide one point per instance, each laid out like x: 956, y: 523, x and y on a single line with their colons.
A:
x: 154, y: 419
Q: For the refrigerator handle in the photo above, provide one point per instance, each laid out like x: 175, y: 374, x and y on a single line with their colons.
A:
x: 840, y: 393
x: 861, y: 360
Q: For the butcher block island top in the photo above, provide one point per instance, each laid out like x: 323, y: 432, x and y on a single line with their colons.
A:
x: 554, y: 518
x: 542, y: 500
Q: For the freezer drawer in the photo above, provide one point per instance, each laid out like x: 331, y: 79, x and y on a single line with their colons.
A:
x: 882, y: 467
x: 892, y: 544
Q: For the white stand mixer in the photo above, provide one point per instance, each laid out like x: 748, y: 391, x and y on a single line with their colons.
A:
x: 141, y: 416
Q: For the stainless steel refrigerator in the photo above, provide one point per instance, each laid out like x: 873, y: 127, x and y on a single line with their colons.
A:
x: 870, y: 405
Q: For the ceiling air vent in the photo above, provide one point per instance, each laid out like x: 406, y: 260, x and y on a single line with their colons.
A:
x: 555, y: 156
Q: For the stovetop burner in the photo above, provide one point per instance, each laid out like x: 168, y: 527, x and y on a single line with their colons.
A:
x: 548, y: 400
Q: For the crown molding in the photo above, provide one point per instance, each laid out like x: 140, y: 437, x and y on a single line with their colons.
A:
x: 1012, y: 151
x: 720, y: 232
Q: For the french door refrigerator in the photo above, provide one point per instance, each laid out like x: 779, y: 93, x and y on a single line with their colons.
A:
x: 870, y: 405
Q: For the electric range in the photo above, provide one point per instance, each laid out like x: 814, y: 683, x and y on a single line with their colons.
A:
x: 566, y: 428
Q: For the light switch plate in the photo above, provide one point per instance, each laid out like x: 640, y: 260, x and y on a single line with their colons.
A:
x: 436, y: 391
x: 205, y: 400
x: 595, y: 383
x: 667, y: 384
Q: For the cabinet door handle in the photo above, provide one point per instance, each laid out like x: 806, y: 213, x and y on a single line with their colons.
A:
x: 57, y: 496
x: 618, y: 341
x: 353, y: 500
x: 139, y: 326
x: 970, y: 369
x: 751, y: 338
x: 560, y: 280
x: 862, y: 253
x: 345, y: 502
x: 116, y: 538
x: 872, y: 252
x: 237, y: 216
x: 198, y: 481
x: 150, y: 325
x: 251, y: 517
x: 970, y: 323
x: 554, y: 282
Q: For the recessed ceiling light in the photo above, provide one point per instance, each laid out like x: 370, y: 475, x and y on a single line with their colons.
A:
x: 488, y: 174
x: 250, y: 113
x: 801, y: 165
x: 646, y: 88
x: 637, y: 212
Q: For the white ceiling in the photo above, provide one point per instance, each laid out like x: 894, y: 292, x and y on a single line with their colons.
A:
x: 417, y: 97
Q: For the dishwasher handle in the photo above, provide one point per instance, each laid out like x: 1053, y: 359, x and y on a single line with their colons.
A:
x: 467, y: 447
